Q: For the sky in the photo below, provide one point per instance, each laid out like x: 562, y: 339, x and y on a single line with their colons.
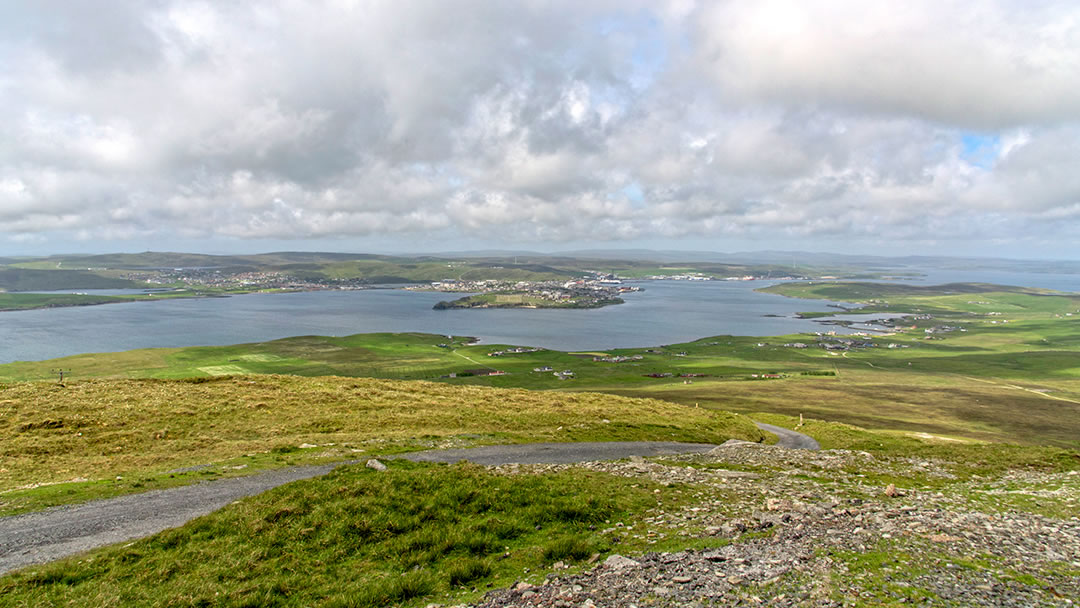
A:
x: 919, y: 127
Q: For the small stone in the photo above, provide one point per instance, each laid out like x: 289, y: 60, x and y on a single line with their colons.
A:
x: 735, y: 580
x: 522, y: 586
x: 375, y: 464
x: 682, y: 579
x: 304, y: 446
x: 891, y: 491
x: 618, y: 562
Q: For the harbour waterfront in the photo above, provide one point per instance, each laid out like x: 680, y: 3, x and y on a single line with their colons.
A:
x: 665, y: 312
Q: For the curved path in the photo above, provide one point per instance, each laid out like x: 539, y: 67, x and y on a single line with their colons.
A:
x: 43, y: 536
x: 790, y: 439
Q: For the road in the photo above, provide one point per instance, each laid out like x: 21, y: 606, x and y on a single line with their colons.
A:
x: 46, y: 535
x: 43, y: 536
x: 790, y: 439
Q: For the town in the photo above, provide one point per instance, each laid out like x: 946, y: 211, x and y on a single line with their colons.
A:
x: 594, y: 292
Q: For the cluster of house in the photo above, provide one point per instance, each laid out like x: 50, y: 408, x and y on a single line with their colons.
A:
x: 256, y: 280
x: 514, y: 351
x: 834, y: 344
x: 846, y: 344
x: 618, y: 358
x: 693, y: 276
x: 943, y: 329
x: 566, y: 374
x: 555, y: 291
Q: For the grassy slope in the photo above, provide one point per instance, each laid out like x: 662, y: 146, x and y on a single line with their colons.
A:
x: 422, y: 533
x: 969, y: 383
x: 356, y: 538
x: 28, y: 279
x: 141, y: 429
x: 27, y: 301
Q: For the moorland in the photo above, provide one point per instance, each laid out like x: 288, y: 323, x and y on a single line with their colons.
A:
x: 964, y: 397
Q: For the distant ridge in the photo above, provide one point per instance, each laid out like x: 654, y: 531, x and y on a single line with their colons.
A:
x: 783, y: 259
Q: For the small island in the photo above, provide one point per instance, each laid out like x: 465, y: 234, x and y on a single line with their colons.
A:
x: 526, y: 299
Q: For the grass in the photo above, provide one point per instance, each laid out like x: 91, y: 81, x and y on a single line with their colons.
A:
x: 142, y: 429
x: 29, y: 301
x: 939, y: 299
x: 32, y: 279
x: 356, y: 538
x: 966, y: 458
x: 968, y: 382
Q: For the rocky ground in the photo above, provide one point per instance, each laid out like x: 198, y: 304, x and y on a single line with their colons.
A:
x: 782, y: 527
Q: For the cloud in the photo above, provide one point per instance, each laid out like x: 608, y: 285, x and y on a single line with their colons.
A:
x: 542, y: 122
x: 982, y: 65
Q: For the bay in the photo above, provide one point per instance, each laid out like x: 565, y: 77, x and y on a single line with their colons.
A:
x: 665, y: 312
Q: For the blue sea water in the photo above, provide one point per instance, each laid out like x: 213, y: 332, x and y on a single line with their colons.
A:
x: 665, y: 312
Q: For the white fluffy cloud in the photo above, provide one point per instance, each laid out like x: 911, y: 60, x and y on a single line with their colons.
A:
x: 541, y: 122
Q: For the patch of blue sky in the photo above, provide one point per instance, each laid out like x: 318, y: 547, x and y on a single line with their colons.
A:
x: 631, y: 192
x: 648, y: 53
x: 980, y: 149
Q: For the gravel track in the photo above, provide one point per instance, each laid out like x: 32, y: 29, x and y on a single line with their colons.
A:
x: 793, y: 440
x: 43, y: 536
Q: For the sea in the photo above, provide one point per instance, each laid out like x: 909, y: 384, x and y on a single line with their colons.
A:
x: 665, y: 312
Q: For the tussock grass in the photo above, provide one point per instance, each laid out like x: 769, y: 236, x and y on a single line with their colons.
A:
x: 103, y: 428
x: 355, y: 538
x: 968, y: 458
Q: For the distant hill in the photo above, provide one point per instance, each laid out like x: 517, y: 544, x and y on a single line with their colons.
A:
x: 26, y: 279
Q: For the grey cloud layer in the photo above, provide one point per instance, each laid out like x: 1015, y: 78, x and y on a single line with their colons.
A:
x: 539, y: 121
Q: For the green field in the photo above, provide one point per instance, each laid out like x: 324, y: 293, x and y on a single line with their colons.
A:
x: 1010, y: 350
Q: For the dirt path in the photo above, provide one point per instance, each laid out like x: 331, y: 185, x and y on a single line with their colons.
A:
x: 472, y: 360
x: 1020, y: 388
x: 790, y: 439
x: 61, y: 531
x: 35, y: 538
